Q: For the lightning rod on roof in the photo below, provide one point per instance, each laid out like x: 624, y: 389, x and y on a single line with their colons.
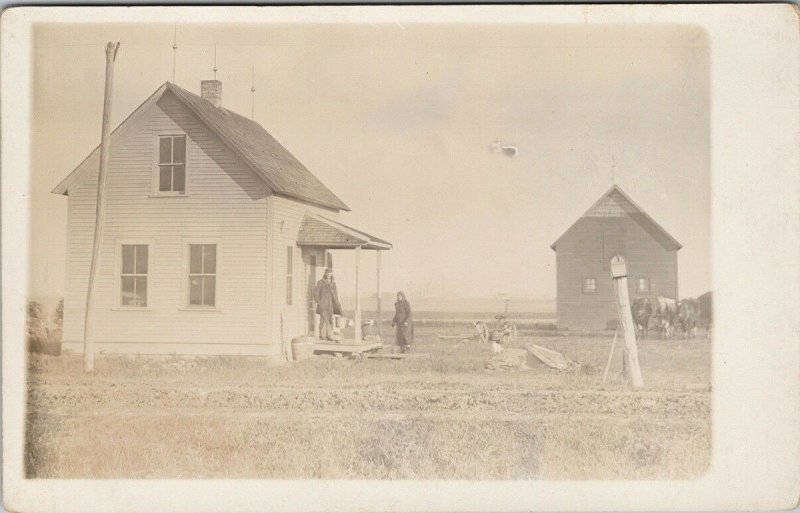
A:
x: 253, y: 96
x: 215, y: 62
x: 174, y: 49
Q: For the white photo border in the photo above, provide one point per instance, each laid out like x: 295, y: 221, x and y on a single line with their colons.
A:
x: 755, y: 177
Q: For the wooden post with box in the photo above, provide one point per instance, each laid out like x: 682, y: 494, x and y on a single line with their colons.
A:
x: 619, y: 275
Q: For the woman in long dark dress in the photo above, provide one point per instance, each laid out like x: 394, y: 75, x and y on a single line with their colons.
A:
x: 403, y: 324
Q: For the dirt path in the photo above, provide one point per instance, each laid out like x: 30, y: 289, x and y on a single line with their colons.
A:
x: 66, y: 398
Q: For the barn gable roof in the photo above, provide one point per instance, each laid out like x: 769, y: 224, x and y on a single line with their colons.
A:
x: 615, y: 203
x: 273, y: 163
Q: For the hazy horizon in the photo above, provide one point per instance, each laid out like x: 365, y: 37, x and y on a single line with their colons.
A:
x: 398, y: 120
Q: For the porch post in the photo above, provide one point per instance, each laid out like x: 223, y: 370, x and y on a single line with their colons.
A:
x: 312, y: 305
x: 380, y: 312
x: 358, y: 299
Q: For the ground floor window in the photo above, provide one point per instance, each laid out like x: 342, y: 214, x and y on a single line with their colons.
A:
x: 202, y: 274
x: 589, y: 285
x: 133, y: 275
x: 643, y: 285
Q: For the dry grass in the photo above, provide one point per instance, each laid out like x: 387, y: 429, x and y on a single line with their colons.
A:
x: 438, y: 417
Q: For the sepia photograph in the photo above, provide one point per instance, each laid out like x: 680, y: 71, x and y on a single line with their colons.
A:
x: 246, y: 323
x: 385, y: 251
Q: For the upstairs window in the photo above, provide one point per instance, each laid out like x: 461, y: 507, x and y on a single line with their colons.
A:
x: 643, y: 285
x: 172, y: 164
x: 133, y: 275
x: 589, y: 285
x: 202, y: 274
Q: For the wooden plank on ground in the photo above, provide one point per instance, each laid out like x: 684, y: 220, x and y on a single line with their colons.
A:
x: 551, y: 358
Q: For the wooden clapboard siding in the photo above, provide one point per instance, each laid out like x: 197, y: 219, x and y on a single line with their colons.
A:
x: 649, y: 258
x: 585, y: 252
x: 580, y: 254
x: 225, y: 203
x: 286, y: 217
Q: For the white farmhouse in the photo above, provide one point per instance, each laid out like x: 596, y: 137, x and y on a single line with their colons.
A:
x: 214, y: 234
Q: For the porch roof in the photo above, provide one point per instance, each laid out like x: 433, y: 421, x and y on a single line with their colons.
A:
x: 320, y: 231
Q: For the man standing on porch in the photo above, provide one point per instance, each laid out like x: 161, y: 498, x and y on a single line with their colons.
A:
x: 327, y: 300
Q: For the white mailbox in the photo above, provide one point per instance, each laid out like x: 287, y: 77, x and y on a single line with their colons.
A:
x: 619, y: 269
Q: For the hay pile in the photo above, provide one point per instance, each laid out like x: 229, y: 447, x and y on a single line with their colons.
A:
x: 509, y: 359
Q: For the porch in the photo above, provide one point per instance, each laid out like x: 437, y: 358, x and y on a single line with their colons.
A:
x: 319, y: 235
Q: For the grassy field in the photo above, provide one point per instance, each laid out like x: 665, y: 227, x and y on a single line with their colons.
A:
x: 442, y: 416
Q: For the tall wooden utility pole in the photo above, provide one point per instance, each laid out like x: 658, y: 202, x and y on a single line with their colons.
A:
x: 88, y: 328
x: 630, y: 354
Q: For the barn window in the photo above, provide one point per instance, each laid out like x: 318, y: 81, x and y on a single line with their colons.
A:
x: 172, y: 164
x: 289, y: 273
x: 202, y: 274
x: 133, y: 275
x: 643, y: 285
x: 589, y: 285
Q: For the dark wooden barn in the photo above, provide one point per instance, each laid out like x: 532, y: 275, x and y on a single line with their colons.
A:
x: 614, y: 225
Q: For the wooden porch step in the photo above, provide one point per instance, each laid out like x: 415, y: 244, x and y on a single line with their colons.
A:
x: 346, y: 346
x: 397, y: 356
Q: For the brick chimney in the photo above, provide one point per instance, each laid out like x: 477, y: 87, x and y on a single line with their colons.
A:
x: 211, y: 90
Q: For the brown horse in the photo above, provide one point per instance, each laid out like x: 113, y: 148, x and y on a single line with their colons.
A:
x: 686, y: 317
x: 642, y: 310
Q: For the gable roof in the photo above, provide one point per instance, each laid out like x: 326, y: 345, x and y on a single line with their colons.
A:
x: 281, y: 171
x: 615, y: 203
x: 316, y: 230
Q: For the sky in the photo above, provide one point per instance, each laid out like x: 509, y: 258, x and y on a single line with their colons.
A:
x: 398, y: 121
